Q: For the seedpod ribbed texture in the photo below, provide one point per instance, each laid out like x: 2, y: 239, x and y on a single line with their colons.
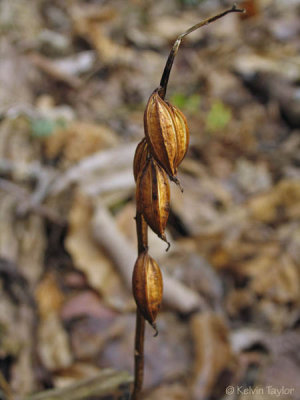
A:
x: 153, y: 197
x: 140, y: 157
x: 147, y: 286
x: 167, y: 133
x: 182, y: 135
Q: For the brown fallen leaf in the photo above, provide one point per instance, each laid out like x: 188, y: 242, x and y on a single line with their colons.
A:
x: 86, y: 303
x: 279, y: 282
x: 49, y: 297
x: 167, y: 357
x: 78, y: 140
x: 53, y: 343
x: 106, y: 384
x: 282, y: 201
x: 277, y: 316
x: 214, y: 362
x: 239, y: 303
x: 91, y: 23
x: 197, y: 273
x: 89, y: 334
x: 17, y: 339
x: 273, y: 276
x: 280, y: 368
x: 48, y: 66
x: 265, y: 207
x: 175, y: 391
x: 65, y: 377
x: 89, y: 258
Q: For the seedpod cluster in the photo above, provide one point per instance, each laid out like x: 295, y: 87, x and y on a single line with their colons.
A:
x: 156, y: 160
x: 157, y: 157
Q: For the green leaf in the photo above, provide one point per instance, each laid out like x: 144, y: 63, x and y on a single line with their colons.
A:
x: 178, y: 100
x: 43, y: 127
x: 188, y: 103
x: 193, y: 103
x: 218, y: 117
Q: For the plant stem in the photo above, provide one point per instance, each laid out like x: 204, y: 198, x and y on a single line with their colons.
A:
x: 142, y: 235
x: 166, y: 74
x: 141, y: 225
x: 138, y: 355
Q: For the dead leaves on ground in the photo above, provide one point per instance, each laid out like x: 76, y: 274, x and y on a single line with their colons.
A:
x: 78, y: 140
x: 214, y: 363
x: 89, y: 258
x: 239, y: 212
x: 255, y: 241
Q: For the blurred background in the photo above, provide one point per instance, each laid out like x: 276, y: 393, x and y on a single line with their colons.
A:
x: 75, y: 77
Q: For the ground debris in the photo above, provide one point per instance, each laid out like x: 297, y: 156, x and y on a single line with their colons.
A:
x: 74, y: 80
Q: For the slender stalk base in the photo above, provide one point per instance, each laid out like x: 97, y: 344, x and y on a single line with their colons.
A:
x: 142, y: 235
x: 138, y: 355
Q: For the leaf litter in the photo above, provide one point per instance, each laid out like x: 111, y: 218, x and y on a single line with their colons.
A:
x: 74, y: 78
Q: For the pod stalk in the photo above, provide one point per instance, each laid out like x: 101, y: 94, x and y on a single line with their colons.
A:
x: 166, y: 74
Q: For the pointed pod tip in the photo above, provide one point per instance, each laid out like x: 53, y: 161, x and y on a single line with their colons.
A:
x: 169, y: 245
x: 177, y: 182
x: 153, y: 324
x: 164, y: 238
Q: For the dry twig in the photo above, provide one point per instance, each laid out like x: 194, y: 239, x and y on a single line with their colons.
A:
x: 49, y: 67
x: 108, y: 159
x: 25, y: 198
x: 107, y: 384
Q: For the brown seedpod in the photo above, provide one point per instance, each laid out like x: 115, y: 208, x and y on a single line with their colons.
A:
x: 140, y: 157
x: 147, y: 286
x: 166, y: 144
x: 153, y: 197
x: 167, y: 133
x: 182, y: 135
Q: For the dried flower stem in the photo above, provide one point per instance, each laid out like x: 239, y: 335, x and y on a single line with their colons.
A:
x: 142, y: 235
x: 141, y: 225
x: 139, y: 355
x: 166, y: 74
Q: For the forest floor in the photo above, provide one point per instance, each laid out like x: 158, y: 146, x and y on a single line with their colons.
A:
x: 75, y: 77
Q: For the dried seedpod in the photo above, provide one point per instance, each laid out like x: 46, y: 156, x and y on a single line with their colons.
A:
x: 147, y: 286
x: 167, y: 138
x: 167, y: 133
x: 140, y: 157
x: 182, y: 135
x: 153, y: 197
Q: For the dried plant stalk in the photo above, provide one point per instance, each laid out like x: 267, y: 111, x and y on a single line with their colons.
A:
x: 166, y: 141
x: 142, y: 235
